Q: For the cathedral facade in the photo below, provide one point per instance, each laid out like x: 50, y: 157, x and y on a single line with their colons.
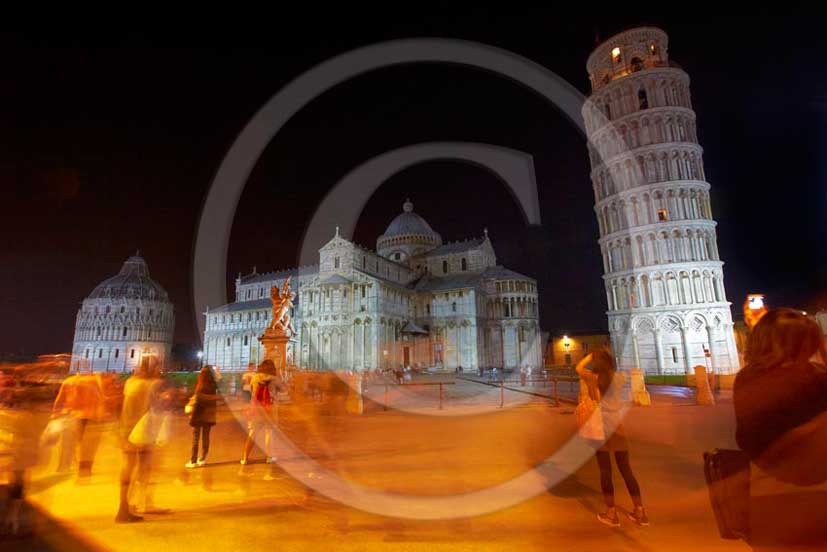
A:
x: 414, y: 302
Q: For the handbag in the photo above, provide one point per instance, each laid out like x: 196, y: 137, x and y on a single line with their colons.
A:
x: 152, y: 429
x: 190, y: 407
x: 54, y: 430
x: 590, y: 418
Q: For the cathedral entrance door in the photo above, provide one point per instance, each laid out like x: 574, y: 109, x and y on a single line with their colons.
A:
x: 406, y: 353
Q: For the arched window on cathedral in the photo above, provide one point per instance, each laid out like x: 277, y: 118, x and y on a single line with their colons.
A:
x: 132, y: 353
x: 445, y: 267
x: 228, y: 342
x: 117, y: 352
x: 336, y: 262
x: 123, y: 333
x: 454, y: 306
x: 464, y: 264
x: 642, y: 99
x: 246, y: 340
x: 364, y: 263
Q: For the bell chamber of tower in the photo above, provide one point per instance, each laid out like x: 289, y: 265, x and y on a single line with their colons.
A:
x: 663, y: 275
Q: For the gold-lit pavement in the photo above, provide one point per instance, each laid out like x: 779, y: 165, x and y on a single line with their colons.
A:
x: 215, y: 508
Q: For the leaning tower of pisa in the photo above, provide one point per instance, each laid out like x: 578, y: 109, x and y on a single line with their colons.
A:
x: 664, y: 280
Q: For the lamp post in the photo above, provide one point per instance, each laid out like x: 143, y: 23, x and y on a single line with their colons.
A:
x: 567, y: 344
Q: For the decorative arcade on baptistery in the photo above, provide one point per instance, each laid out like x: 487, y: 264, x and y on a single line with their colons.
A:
x: 664, y: 281
x: 414, y: 302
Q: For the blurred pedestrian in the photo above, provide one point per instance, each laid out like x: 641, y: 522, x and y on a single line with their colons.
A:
x: 142, y: 398
x: 246, y: 381
x: 605, y: 386
x: 263, y: 411
x: 204, y: 405
x: 18, y: 441
x: 82, y: 402
x: 780, y: 398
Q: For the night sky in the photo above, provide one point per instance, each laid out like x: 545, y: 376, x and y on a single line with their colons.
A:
x: 109, y: 140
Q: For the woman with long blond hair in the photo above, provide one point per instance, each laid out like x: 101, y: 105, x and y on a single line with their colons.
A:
x: 141, y: 392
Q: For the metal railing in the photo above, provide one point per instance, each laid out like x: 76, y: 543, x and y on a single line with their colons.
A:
x: 388, y: 385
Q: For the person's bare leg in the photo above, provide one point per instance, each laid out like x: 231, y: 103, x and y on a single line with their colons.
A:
x: 248, y: 446
x: 145, y: 460
x: 127, y: 467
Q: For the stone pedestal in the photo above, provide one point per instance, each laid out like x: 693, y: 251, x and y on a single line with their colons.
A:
x: 705, y: 396
x: 640, y: 396
x: 275, y: 348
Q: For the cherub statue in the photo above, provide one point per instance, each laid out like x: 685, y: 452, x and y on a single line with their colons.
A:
x: 282, y: 301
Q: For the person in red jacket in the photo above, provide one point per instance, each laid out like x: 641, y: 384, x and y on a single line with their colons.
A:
x: 263, y: 410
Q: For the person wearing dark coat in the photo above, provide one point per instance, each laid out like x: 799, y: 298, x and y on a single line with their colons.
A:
x: 203, y: 406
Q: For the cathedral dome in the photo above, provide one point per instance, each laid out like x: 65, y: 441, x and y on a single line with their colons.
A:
x: 132, y: 282
x: 408, y: 234
x: 409, y: 223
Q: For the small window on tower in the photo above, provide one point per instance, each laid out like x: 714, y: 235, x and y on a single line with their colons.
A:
x: 662, y: 215
x: 464, y: 264
x: 642, y: 99
x: 674, y: 354
x: 132, y: 353
x: 637, y: 65
x: 445, y: 267
x: 336, y: 262
x: 246, y: 340
x: 117, y: 351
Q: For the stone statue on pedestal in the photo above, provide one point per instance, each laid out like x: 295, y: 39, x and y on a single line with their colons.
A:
x: 280, y: 330
x: 282, y: 301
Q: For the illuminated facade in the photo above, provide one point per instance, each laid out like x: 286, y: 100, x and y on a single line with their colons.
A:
x: 663, y: 276
x: 568, y: 350
x: 125, y: 318
x: 414, y: 302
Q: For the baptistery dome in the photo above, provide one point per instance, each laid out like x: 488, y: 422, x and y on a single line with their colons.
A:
x: 407, y: 235
x: 131, y: 282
